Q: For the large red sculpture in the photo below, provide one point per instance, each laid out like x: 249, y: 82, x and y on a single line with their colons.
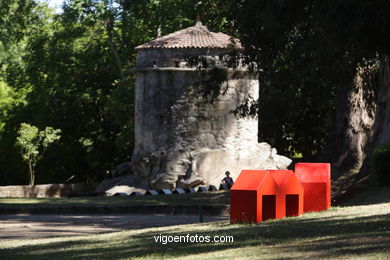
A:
x: 258, y: 195
x: 315, y: 180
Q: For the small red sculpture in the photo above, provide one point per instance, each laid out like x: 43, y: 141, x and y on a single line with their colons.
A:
x: 291, y: 193
x: 258, y: 195
x: 315, y: 180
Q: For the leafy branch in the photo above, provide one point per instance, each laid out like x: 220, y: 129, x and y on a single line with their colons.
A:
x: 34, y: 143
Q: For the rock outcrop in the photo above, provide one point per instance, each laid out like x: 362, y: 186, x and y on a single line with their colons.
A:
x: 205, y: 165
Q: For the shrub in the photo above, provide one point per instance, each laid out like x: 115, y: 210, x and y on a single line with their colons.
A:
x: 381, y: 164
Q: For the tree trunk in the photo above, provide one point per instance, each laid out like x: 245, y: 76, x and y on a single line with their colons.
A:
x: 32, y: 174
x: 381, y: 128
x: 362, y: 123
x: 109, y: 29
x: 382, y: 124
x: 353, y: 127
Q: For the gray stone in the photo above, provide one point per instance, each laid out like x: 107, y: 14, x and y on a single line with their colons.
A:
x: 126, y: 184
x: 181, y: 141
x: 223, y: 186
x: 151, y: 192
x: 202, y: 189
x: 212, y: 188
x: 190, y: 190
x: 166, y: 192
x: 121, y: 194
x: 179, y: 191
x: 122, y: 189
x: 47, y: 190
x: 136, y: 193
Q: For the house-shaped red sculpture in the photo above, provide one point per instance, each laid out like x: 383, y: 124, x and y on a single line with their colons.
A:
x: 258, y: 195
x: 290, y: 193
x: 315, y: 180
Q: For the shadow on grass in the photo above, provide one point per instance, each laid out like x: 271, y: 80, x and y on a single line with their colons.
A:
x: 41, y: 226
x: 204, y: 198
x: 375, y: 195
x: 316, y: 237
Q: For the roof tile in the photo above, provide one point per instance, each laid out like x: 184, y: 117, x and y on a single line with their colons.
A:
x: 197, y: 36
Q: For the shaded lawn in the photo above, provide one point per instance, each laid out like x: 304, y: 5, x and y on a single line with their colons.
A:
x: 341, y: 232
x: 206, y: 198
x: 374, y: 195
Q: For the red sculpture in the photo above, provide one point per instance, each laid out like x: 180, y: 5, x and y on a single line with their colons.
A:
x: 258, y: 195
x: 291, y: 193
x: 315, y: 180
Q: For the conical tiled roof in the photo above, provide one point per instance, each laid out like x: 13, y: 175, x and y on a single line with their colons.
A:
x: 197, y: 36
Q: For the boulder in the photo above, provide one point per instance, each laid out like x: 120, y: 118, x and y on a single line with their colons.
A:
x: 165, y: 170
x: 123, y: 184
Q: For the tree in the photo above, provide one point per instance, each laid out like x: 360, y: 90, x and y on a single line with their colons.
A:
x: 33, y: 144
x: 78, y: 66
x: 71, y: 71
x: 325, y: 74
x: 19, y: 20
x: 322, y: 64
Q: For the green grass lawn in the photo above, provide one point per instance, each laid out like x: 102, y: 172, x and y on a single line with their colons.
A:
x: 374, y: 195
x: 207, y: 198
x: 342, y: 232
x: 352, y: 232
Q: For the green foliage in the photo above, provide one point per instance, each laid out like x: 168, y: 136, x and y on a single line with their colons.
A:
x: 9, y: 99
x: 307, y: 53
x: 213, y: 80
x: 33, y: 144
x: 381, y: 164
x: 73, y: 71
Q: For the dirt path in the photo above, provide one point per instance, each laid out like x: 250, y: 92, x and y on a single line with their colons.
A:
x: 42, y: 226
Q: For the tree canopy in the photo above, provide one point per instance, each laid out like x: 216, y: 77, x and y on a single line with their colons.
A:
x: 73, y: 71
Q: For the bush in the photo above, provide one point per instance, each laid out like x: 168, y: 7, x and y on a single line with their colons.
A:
x: 381, y: 164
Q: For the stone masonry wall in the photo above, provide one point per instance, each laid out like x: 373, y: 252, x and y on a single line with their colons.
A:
x: 46, y: 190
x: 182, y: 140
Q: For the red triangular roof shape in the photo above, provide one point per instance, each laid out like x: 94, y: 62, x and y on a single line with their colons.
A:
x: 250, y: 179
x: 281, y: 176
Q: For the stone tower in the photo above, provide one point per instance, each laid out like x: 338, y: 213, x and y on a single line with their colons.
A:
x: 182, y: 140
